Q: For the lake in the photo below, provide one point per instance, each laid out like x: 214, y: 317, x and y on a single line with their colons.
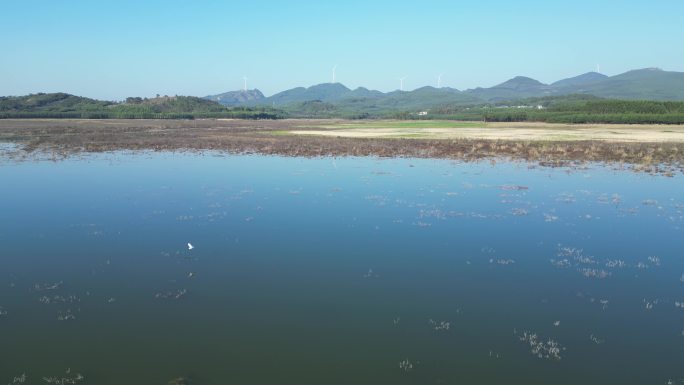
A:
x: 337, y: 271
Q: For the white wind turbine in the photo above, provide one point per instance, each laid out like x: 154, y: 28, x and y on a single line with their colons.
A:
x: 333, y: 73
x: 401, y: 83
x: 439, y: 81
x: 245, y: 85
x: 598, y: 68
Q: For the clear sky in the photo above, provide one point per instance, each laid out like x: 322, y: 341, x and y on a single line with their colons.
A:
x: 114, y: 49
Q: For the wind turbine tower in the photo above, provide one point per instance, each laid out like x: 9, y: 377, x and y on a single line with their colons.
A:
x: 439, y: 81
x: 245, y: 84
x: 598, y: 68
x: 401, y: 83
x: 333, y: 73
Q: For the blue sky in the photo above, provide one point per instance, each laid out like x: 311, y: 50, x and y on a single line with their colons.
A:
x: 115, y: 49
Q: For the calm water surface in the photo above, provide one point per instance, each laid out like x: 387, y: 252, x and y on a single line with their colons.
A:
x: 338, y: 271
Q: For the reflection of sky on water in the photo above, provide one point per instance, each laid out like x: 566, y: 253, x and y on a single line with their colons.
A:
x: 356, y: 270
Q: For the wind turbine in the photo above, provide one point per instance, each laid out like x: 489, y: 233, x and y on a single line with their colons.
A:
x: 333, y: 73
x: 401, y: 83
x: 439, y: 81
x: 245, y: 79
x: 598, y: 68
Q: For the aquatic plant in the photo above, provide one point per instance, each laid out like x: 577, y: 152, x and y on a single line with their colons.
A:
x: 548, y: 349
x: 654, y: 260
x: 406, y: 365
x: 177, y: 294
x: 58, y: 299
x: 180, y: 381
x: 441, y: 325
x: 649, y: 304
x: 613, y: 263
x: 47, y: 286
x: 519, y: 212
x: 596, y: 340
x: 595, y: 273
x: 68, y: 378
x: 370, y: 274
x: 512, y: 187
x: 66, y: 315
x: 550, y: 218
x: 501, y: 261
x: 19, y: 379
x: 568, y: 251
x: 562, y: 263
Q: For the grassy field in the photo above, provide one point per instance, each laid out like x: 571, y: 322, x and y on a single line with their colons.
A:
x: 401, y: 124
x: 524, y: 131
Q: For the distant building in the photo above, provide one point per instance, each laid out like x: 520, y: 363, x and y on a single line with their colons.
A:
x: 422, y: 113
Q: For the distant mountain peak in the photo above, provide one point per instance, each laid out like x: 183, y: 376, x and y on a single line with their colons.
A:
x: 520, y: 82
x: 579, y: 80
x: 330, y: 86
x: 325, y: 92
x: 232, y: 98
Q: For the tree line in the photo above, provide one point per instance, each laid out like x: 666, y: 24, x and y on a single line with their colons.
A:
x: 574, y: 109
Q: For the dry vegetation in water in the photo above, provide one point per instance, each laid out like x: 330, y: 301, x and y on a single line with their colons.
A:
x: 62, y: 138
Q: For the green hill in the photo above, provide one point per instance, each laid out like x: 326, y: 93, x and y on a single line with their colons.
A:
x: 54, y: 102
x: 62, y: 105
x: 169, y: 104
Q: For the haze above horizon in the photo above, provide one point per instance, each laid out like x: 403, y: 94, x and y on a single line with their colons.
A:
x: 126, y: 48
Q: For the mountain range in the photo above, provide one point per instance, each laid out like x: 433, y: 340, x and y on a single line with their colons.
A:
x: 642, y: 84
x: 336, y: 100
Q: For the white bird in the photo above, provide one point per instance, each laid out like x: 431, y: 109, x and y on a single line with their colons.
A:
x: 190, y: 246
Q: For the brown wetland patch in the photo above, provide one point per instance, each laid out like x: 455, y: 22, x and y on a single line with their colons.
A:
x: 645, y: 148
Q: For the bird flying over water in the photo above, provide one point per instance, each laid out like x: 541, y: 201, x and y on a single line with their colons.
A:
x: 190, y: 246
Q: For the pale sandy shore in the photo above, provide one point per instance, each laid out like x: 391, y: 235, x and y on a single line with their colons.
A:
x: 512, y: 131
